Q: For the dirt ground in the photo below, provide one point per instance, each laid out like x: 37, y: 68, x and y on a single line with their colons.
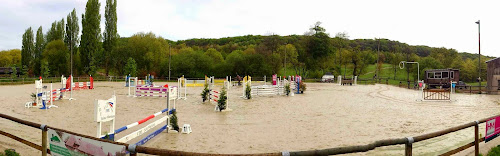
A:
x: 325, y: 116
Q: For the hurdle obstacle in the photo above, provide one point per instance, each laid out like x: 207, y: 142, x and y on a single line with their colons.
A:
x: 194, y: 82
x: 439, y: 94
x: 79, y: 85
x: 214, y: 96
x: 105, y: 111
x: 148, y: 80
x: 277, y: 87
x: 353, y: 81
x: 43, y: 98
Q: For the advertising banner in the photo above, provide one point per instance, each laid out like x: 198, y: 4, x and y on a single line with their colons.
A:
x: 64, y: 144
x: 492, y: 128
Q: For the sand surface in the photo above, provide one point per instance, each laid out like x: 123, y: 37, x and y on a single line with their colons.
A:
x: 326, y: 116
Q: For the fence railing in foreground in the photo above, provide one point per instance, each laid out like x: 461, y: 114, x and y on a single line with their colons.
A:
x: 408, y: 142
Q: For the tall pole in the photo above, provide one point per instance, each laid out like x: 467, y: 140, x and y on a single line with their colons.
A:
x: 479, y: 63
x: 378, y: 58
x: 71, y: 57
x: 285, y: 60
x: 169, y: 60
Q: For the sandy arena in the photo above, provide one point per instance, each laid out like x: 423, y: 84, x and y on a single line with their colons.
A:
x: 326, y: 116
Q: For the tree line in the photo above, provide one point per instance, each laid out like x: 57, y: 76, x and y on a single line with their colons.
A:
x: 311, y: 55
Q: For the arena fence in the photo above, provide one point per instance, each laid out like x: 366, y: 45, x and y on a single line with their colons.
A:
x: 407, y: 141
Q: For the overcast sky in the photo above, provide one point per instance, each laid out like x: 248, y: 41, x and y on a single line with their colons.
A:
x: 435, y: 23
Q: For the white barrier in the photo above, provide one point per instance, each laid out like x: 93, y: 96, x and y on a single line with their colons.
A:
x: 105, y: 111
x: 44, y: 98
x: 261, y: 90
x: 352, y: 81
x: 148, y: 80
x: 181, y: 84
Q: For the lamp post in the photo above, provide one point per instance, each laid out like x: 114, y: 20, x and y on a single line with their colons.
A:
x: 169, y: 60
x: 285, y: 61
x: 479, y: 63
x: 71, y: 60
x: 377, y: 72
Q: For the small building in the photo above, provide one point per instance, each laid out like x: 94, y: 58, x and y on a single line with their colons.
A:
x: 493, y: 76
x: 441, y: 77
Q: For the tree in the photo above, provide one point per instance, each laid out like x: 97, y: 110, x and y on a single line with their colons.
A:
x: 10, y: 58
x: 319, y: 43
x: 72, y: 30
x: 57, y: 56
x: 90, y: 40
x: 40, y: 44
x: 110, y: 32
x: 215, y: 55
x: 289, y: 55
x: 28, y: 48
x: 130, y: 67
x: 44, y: 68
x: 14, y: 72
x: 56, y: 32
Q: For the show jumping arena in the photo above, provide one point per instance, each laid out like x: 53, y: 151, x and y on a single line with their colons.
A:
x: 327, y: 115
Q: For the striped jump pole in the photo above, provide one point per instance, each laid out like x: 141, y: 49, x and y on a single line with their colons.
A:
x: 163, y: 122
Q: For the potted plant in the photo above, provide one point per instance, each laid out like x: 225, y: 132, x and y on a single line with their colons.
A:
x: 33, y: 97
x: 248, y: 91
x: 173, y: 121
x: 222, y: 103
x: 302, y: 87
x: 205, y: 93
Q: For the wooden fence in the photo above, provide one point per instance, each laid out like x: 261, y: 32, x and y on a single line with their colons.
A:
x: 436, y: 94
x: 407, y: 141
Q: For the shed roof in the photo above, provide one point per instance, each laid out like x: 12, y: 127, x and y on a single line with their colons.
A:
x: 492, y: 59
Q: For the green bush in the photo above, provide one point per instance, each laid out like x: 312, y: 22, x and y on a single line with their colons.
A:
x: 495, y: 151
x: 222, y: 103
x: 303, y: 86
x: 287, y: 89
x: 248, y: 91
x: 205, y: 93
x: 173, y: 121
x: 10, y: 152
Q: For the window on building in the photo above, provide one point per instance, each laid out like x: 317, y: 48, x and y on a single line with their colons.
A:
x: 452, y: 74
x: 430, y: 75
x: 444, y: 74
x: 437, y: 75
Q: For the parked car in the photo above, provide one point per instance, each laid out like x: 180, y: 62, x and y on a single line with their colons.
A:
x: 461, y: 85
x: 328, y: 77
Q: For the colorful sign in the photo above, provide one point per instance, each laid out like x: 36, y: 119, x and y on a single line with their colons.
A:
x: 492, y: 128
x: 105, y: 109
x: 64, y: 144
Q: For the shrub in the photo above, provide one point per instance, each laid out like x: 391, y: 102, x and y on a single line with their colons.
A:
x: 173, y: 121
x: 222, y: 103
x: 287, y: 89
x: 205, y: 93
x: 495, y: 151
x: 10, y: 152
x: 303, y: 86
x: 248, y: 91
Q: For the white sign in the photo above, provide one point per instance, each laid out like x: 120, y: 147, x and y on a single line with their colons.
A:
x: 105, y: 110
x: 38, y: 84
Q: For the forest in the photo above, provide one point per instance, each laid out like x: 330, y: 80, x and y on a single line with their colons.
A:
x: 311, y: 54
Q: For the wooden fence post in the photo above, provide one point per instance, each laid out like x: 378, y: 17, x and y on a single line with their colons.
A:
x: 476, y: 138
x: 408, y: 146
x: 44, y: 140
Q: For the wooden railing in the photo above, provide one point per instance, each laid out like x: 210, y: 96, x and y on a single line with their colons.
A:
x: 407, y: 141
x: 436, y: 94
